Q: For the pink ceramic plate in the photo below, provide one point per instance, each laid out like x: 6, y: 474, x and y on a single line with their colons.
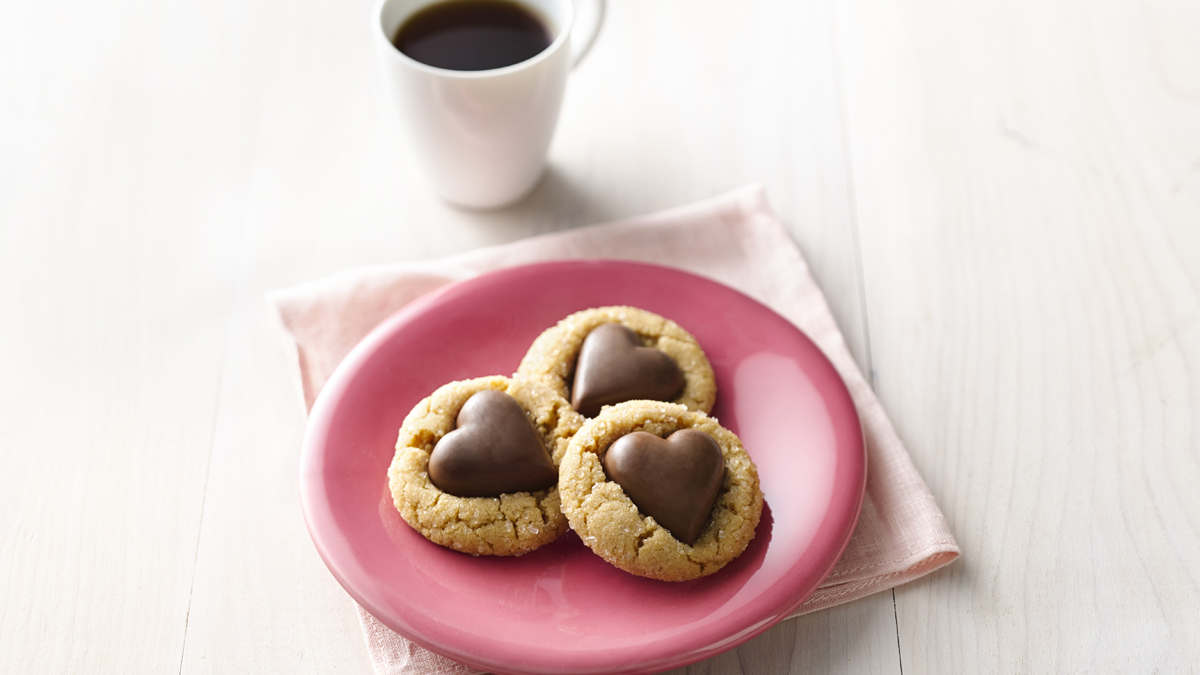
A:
x: 562, y: 609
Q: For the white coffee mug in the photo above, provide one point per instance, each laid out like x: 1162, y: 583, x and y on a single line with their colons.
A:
x: 482, y: 135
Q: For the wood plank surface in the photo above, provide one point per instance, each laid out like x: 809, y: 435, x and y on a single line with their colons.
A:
x: 1019, y: 185
x: 117, y: 219
x: 1029, y: 203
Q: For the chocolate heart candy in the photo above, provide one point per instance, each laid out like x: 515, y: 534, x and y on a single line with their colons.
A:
x: 675, y: 481
x: 613, y: 367
x: 495, y: 450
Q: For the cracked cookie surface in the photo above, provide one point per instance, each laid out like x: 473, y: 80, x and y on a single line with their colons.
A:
x: 610, y: 524
x: 508, y: 525
x: 551, y: 359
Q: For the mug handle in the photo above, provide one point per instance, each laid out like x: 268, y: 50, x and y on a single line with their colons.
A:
x: 589, y: 14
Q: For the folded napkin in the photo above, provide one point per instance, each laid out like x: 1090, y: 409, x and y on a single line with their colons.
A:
x: 735, y: 239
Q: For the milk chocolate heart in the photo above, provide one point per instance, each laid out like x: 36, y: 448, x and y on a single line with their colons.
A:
x: 675, y: 481
x: 495, y: 450
x: 613, y: 367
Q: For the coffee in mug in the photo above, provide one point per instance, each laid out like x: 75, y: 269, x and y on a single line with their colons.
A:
x: 473, y: 34
x: 479, y: 112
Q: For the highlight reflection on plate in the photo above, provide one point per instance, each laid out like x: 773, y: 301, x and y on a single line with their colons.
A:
x: 561, y: 609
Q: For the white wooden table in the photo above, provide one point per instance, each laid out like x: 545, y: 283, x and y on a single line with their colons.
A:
x: 1000, y: 199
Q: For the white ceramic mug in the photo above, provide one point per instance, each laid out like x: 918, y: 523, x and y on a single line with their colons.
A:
x: 482, y: 135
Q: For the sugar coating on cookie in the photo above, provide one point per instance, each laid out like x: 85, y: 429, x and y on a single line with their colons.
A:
x: 551, y: 359
x: 508, y: 525
x: 610, y: 524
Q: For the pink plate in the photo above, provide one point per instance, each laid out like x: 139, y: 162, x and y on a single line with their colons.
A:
x: 562, y: 609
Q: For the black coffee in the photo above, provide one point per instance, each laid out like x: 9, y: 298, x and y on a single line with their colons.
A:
x: 472, y: 35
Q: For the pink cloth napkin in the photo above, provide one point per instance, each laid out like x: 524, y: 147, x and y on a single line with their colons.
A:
x: 735, y: 239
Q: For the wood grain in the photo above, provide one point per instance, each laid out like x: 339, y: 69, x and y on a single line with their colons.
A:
x: 1025, y: 176
x: 1018, y: 183
x: 117, y: 287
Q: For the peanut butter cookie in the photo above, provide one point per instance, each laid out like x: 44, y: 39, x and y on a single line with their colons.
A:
x: 607, y: 499
x: 608, y: 355
x: 475, y: 465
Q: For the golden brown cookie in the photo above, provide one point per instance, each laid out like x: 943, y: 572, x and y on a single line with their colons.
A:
x: 608, y: 521
x: 554, y: 355
x: 511, y: 524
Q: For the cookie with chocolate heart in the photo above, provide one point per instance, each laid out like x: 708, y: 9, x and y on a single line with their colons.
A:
x: 660, y: 491
x: 674, y: 480
x: 608, y: 355
x: 476, y: 465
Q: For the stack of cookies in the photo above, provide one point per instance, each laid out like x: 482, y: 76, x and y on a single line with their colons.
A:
x: 603, y: 429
